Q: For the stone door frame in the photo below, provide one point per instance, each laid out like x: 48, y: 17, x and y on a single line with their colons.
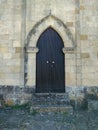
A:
x: 31, y: 46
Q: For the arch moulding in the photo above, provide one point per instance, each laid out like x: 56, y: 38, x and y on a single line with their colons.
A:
x: 31, y: 45
x: 57, y: 25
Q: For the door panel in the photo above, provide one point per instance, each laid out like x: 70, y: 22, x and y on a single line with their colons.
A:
x: 50, y: 63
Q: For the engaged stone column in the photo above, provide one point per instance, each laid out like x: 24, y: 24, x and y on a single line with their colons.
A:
x: 64, y: 51
x: 31, y: 66
x: 70, y: 68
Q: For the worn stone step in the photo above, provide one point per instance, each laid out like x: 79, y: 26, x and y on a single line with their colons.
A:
x: 60, y: 102
x: 53, y: 108
x: 53, y: 99
x: 51, y: 102
x: 60, y: 95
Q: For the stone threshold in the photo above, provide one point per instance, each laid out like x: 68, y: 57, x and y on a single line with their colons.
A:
x: 50, y: 93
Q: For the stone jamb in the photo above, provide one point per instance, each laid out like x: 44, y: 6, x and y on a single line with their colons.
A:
x: 31, y: 47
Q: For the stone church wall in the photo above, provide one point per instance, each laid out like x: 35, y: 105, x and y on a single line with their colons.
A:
x: 18, y: 62
x: 10, y: 42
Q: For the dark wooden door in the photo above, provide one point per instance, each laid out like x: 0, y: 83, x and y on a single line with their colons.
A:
x: 50, y: 75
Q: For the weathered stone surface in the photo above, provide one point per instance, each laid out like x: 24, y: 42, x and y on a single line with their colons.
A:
x: 9, y: 102
x: 82, y: 7
x: 3, y: 50
x: 70, y: 24
x: 93, y: 105
x: 14, y: 95
x: 85, y: 55
x: 43, y: 102
x: 63, y: 108
x: 7, y: 56
x: 18, y: 49
x: 21, y: 119
x: 84, y: 37
x: 1, y: 100
x: 16, y: 44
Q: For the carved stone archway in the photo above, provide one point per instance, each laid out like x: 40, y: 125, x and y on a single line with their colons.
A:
x: 32, y: 38
x: 55, y: 23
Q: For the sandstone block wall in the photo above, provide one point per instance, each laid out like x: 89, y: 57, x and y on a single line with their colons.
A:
x: 10, y: 42
x: 17, y: 18
x: 89, y: 42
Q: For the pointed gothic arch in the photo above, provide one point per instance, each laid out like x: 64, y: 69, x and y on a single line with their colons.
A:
x: 32, y: 49
x: 56, y: 24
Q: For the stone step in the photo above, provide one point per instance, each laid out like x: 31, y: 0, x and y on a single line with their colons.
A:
x: 50, y: 99
x: 51, y: 102
x: 54, y: 108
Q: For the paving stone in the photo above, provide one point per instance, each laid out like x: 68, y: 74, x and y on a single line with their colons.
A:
x: 23, y: 120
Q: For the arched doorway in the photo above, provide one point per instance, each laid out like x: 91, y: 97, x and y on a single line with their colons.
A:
x: 50, y: 73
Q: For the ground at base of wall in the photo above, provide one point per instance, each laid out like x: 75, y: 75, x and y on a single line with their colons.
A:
x: 21, y: 119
